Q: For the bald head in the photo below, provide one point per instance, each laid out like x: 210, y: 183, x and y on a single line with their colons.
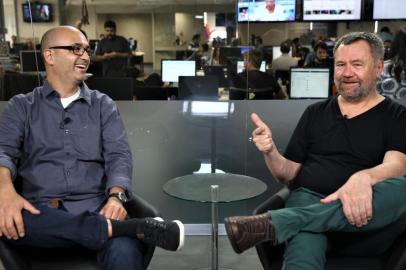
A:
x: 54, y: 34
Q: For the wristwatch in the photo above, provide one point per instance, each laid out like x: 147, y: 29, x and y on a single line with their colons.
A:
x: 120, y: 196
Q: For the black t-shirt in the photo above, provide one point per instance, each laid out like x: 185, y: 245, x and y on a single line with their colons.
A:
x: 114, y: 67
x: 331, y: 148
x: 257, y: 80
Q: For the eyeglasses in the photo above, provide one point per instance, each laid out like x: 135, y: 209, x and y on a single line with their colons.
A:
x: 77, y: 50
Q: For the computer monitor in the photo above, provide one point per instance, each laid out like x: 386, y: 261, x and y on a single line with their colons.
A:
x: 172, y: 69
x: 29, y: 61
x: 276, y: 52
x: 220, y: 72
x: 229, y: 54
x: 198, y: 87
x: 309, y: 83
x: 240, y: 66
x: 256, y: 11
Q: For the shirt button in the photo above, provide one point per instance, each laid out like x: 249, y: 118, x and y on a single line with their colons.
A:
x: 66, y: 131
x: 67, y: 172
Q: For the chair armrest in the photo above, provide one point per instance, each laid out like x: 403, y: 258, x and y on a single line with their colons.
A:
x: 276, y: 201
x: 397, y: 257
x: 11, y: 259
x: 139, y: 208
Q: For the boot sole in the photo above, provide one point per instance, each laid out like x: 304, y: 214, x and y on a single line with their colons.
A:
x: 231, y: 236
x: 181, y: 234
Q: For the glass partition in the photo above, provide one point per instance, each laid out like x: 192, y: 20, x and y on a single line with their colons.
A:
x: 205, y: 125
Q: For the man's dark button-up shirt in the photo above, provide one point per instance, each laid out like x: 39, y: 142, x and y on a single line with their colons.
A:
x: 74, y: 154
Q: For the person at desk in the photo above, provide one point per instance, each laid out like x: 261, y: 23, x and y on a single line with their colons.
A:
x: 253, y: 78
x: 113, y: 51
x: 284, y: 62
x: 194, y: 45
x: 68, y: 146
x: 345, y: 165
x: 320, y: 59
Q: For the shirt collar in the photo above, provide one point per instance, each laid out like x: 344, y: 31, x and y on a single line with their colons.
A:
x: 47, y: 90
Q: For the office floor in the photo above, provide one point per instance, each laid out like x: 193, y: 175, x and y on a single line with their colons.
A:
x: 197, y: 253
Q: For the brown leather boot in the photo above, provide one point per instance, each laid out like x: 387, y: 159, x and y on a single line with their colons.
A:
x: 245, y: 232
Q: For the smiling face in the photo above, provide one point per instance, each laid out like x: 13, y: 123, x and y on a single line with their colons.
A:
x: 356, y: 70
x: 63, y: 66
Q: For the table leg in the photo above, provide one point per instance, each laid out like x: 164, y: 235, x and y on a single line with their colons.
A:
x: 214, y: 227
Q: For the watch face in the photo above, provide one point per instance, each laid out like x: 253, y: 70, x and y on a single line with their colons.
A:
x: 122, y: 197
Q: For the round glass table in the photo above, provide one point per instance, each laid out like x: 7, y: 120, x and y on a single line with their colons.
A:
x: 214, y: 188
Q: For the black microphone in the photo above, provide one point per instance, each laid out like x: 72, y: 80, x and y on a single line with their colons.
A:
x: 345, y: 116
x: 64, y: 122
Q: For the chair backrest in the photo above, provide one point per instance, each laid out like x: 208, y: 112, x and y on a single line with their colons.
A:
x: 150, y: 93
x: 115, y: 87
x: 19, y: 83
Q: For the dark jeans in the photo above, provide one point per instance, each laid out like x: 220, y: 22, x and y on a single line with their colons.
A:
x: 304, y: 223
x: 57, y: 228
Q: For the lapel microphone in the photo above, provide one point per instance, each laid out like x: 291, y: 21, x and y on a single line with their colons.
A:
x: 65, y: 121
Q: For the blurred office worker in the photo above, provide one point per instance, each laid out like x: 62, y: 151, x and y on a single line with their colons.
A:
x: 345, y: 165
x: 113, y: 51
x: 68, y: 147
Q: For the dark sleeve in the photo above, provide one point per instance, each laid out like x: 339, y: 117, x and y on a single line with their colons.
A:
x: 396, y: 139
x: 116, y: 150
x: 125, y: 46
x: 12, y: 130
x: 297, y: 146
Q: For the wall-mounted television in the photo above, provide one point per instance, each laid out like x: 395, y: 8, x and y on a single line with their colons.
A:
x: 40, y: 12
x: 389, y: 10
x: 266, y: 11
x: 331, y: 10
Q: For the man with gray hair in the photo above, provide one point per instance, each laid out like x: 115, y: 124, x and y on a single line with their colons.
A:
x: 345, y: 166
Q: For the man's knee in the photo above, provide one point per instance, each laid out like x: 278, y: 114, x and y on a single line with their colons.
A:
x: 125, y: 250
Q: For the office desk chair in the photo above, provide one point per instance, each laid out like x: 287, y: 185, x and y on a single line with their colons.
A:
x: 271, y: 257
x: 75, y: 258
x: 257, y: 93
x: 118, y: 88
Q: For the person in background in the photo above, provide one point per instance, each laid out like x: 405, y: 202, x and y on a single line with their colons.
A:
x: 345, y: 165
x: 113, y: 51
x: 284, y: 62
x: 385, y: 34
x: 320, y: 59
x: 194, y: 45
x: 68, y: 147
x: 393, y: 78
x: 253, y: 78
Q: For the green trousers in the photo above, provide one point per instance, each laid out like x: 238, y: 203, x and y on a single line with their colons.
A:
x: 305, y: 223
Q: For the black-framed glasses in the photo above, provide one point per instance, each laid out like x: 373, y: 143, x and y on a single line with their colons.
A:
x: 76, y: 49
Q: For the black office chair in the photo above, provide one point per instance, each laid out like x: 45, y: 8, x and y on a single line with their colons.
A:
x: 258, y: 93
x: 68, y: 259
x: 271, y: 257
x: 150, y: 93
x: 118, y: 88
x: 18, y: 83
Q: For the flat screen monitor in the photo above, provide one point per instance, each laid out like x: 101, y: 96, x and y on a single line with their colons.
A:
x: 276, y: 52
x: 198, y: 88
x: 389, y: 10
x: 309, y: 83
x: 29, y: 60
x: 331, y: 10
x: 229, y: 53
x: 240, y: 66
x: 40, y: 12
x: 172, y: 69
x: 220, y: 72
x: 263, y: 11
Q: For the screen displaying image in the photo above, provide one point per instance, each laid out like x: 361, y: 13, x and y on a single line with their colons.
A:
x: 389, y: 10
x: 39, y: 12
x: 309, y: 82
x: 172, y: 69
x: 266, y: 10
x: 326, y: 10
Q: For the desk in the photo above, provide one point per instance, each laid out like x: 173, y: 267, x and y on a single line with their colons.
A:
x: 214, y: 188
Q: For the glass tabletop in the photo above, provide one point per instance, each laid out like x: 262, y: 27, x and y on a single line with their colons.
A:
x: 231, y: 187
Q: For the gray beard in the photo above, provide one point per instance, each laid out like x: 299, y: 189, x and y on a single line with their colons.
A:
x: 356, y: 95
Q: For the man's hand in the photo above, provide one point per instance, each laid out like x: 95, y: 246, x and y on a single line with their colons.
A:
x: 262, y: 135
x: 114, y: 209
x: 356, y: 198
x: 11, y: 220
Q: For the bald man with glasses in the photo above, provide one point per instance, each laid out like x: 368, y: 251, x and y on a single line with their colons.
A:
x: 68, y: 146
